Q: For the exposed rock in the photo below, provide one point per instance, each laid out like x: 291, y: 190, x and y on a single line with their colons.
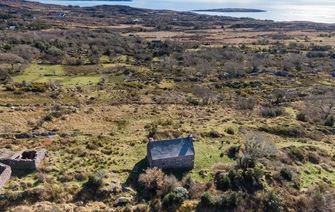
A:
x: 122, y: 201
x: 128, y: 189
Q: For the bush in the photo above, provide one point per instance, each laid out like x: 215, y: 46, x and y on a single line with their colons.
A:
x: 301, y: 117
x: 225, y: 202
x: 248, y: 180
x: 313, y: 158
x: 208, y: 200
x: 171, y: 201
x: 233, y: 151
x: 272, y: 112
x: 222, y: 181
x: 296, y: 153
x: 156, y: 182
x: 228, y: 201
x: 286, y: 174
x: 330, y: 121
x: 95, y: 180
x: 181, y: 193
x: 257, y: 146
x: 230, y: 131
x: 174, y: 199
x: 246, y: 104
x: 272, y: 203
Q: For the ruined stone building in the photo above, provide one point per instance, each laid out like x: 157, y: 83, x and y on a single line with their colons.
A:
x: 12, y: 163
x: 5, y: 173
x: 27, y: 160
x: 171, y: 154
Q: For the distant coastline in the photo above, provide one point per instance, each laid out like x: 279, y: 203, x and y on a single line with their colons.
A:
x: 232, y: 10
x: 104, y: 0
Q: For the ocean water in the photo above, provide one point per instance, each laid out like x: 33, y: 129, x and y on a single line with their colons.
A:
x: 278, y: 10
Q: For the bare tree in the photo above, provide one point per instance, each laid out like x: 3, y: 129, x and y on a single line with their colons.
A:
x: 256, y: 146
x: 320, y: 109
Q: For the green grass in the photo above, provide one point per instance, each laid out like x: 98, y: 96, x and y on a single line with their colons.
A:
x: 43, y: 73
x: 207, y: 154
x: 311, y: 174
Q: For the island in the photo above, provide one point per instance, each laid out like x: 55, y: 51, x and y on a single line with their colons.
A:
x: 232, y: 10
x: 104, y: 0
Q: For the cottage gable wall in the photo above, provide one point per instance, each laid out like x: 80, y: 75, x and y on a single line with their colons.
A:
x: 5, y: 173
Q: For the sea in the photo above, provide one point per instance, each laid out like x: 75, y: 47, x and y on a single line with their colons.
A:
x: 322, y: 11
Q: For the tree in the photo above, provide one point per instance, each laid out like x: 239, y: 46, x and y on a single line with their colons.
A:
x: 321, y: 109
x: 256, y: 146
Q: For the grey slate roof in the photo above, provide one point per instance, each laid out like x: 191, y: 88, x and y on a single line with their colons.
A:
x: 171, y: 148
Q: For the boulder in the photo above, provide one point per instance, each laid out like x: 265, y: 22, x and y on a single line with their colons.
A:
x: 122, y: 201
x: 23, y: 136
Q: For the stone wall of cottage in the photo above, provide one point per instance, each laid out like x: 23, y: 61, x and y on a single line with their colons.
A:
x: 5, y: 174
x: 186, y: 162
x: 25, y: 164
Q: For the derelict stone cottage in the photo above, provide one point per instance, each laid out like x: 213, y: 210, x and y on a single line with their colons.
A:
x: 171, y: 154
x: 5, y: 173
x: 24, y: 160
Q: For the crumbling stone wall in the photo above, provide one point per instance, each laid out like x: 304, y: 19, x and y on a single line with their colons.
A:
x: 5, y: 173
x: 25, y: 160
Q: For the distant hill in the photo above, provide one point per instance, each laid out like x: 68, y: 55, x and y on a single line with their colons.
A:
x: 232, y: 10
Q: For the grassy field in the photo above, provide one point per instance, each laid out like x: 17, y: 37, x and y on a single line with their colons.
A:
x: 54, y: 73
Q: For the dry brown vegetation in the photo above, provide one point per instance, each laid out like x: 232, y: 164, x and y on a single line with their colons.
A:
x: 258, y: 96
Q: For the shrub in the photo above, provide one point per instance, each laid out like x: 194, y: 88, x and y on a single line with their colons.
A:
x: 174, y: 199
x: 257, y: 146
x: 313, y: 158
x: 207, y: 200
x: 156, y: 182
x: 181, y: 193
x: 296, y: 153
x: 95, y: 180
x: 272, y: 203
x: 246, y: 104
x: 230, y: 131
x: 246, y: 180
x: 301, y: 117
x: 233, y: 151
x: 214, y: 134
x: 228, y: 201
x: 330, y: 121
x: 286, y: 174
x: 222, y: 181
x: 171, y: 201
x: 272, y: 112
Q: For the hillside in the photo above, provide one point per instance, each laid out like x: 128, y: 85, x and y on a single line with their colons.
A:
x: 257, y: 96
